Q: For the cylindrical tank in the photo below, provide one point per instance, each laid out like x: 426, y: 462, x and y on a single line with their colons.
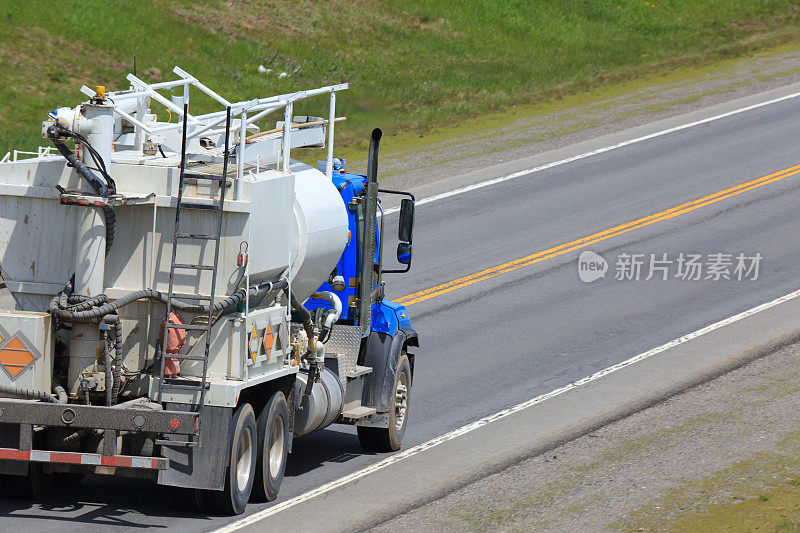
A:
x: 320, y: 231
x: 320, y: 408
x: 96, y: 123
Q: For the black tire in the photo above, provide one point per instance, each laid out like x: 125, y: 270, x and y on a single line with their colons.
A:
x: 35, y: 486
x: 187, y: 500
x: 273, y: 448
x: 64, y: 479
x: 240, y: 473
x: 391, y: 439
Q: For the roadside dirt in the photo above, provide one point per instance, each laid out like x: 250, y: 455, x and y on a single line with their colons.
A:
x: 524, y: 132
x: 721, y: 456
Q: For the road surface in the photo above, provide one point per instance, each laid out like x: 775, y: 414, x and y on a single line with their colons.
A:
x: 508, y: 317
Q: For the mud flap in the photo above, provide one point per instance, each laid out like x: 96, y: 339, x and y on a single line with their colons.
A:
x: 382, y: 352
x: 203, y: 467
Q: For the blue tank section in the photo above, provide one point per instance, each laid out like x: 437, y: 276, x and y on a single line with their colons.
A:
x: 387, y: 316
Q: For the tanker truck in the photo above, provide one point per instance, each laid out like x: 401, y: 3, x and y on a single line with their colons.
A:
x: 183, y: 298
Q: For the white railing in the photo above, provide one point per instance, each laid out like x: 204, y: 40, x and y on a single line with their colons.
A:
x: 13, y: 157
x: 248, y: 112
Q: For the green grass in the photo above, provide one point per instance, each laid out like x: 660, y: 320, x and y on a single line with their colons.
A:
x: 413, y: 65
x: 759, y: 493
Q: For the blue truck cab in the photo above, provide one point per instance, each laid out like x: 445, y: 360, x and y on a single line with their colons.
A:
x: 385, y: 326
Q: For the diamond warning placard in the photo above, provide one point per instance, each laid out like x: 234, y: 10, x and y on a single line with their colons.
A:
x: 16, y: 356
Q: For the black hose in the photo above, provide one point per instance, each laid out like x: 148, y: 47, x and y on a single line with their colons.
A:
x: 28, y: 393
x: 58, y: 309
x: 108, y: 372
x: 97, y: 308
x: 117, y: 359
x: 111, y: 226
x: 308, y: 325
x: 103, y: 189
x: 313, y: 375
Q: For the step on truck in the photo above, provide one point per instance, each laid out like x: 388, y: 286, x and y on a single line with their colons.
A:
x: 182, y: 298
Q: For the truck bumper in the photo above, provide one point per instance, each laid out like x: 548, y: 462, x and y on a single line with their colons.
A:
x: 124, y: 417
x: 19, y: 443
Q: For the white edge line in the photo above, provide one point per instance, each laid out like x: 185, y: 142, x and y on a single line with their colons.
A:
x: 249, y: 520
x: 518, y: 174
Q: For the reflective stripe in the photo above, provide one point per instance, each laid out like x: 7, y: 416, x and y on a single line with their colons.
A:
x: 141, y: 462
x: 71, y: 458
x: 116, y: 461
x: 90, y: 459
x: 15, y: 455
x: 40, y: 456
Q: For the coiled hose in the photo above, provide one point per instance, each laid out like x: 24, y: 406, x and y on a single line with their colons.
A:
x: 60, y: 393
x: 77, y: 308
x: 28, y: 393
x: 60, y: 307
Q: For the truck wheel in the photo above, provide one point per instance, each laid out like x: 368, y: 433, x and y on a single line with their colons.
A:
x: 241, y: 470
x: 390, y: 439
x: 273, y: 446
x: 35, y: 486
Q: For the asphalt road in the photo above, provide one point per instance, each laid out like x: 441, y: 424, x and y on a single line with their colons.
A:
x: 504, y: 339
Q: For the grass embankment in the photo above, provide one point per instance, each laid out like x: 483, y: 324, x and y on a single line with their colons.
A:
x: 413, y: 65
x: 761, y: 493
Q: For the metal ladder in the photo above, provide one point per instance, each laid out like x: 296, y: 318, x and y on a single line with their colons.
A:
x: 165, y: 383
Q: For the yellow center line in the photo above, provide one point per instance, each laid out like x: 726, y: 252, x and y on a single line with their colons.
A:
x: 549, y: 253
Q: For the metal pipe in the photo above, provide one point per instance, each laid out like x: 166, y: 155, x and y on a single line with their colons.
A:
x: 287, y: 132
x: 141, y: 110
x: 336, y: 303
x: 160, y: 99
x: 331, y: 122
x: 90, y: 249
x: 132, y: 120
x: 185, y: 75
x: 258, y: 116
x: 240, y: 154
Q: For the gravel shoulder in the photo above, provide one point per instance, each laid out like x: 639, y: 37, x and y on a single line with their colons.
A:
x: 721, y: 456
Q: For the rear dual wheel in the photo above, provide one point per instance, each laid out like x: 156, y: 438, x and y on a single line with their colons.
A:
x: 241, y: 470
x: 259, y: 448
x: 273, y: 448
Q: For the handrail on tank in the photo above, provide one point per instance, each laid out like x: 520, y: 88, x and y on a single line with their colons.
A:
x: 248, y: 111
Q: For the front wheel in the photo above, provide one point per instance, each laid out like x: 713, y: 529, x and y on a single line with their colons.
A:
x: 273, y: 448
x: 390, y: 439
x: 241, y: 470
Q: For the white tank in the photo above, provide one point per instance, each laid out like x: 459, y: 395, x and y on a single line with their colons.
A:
x: 320, y: 230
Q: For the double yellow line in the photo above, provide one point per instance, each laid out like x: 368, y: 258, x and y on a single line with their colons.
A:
x: 543, y: 255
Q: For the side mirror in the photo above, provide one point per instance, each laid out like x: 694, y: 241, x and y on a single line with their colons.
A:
x: 406, y: 226
x: 404, y: 253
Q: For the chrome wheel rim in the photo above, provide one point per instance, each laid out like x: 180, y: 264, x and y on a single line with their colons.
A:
x: 244, y: 459
x: 401, y: 402
x: 276, y: 441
